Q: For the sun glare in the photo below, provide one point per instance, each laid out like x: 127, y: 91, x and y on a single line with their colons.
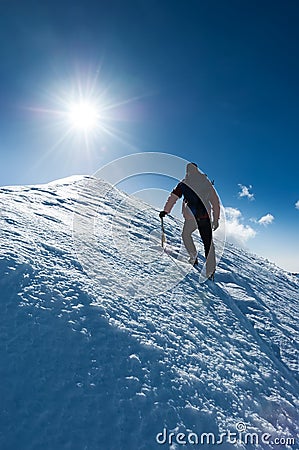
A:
x: 83, y: 116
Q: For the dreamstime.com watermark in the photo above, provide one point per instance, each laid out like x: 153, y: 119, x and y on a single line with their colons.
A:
x: 240, y: 436
x: 118, y: 222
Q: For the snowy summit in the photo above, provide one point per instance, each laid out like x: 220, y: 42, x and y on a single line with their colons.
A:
x: 109, y: 343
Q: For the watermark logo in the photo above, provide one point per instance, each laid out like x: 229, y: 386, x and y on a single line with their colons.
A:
x: 241, y: 436
x: 122, y: 228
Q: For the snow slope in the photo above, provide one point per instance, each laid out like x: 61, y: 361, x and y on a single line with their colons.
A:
x: 106, y: 340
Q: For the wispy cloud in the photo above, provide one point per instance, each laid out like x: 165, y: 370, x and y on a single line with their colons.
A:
x: 245, y: 192
x: 236, y: 231
x: 297, y: 204
x: 266, y: 219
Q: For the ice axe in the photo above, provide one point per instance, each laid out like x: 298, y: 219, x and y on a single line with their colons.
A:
x: 163, y: 237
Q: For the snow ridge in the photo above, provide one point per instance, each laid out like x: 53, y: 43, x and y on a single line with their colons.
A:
x: 97, y: 353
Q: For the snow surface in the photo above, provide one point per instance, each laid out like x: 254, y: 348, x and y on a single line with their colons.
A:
x: 106, y: 340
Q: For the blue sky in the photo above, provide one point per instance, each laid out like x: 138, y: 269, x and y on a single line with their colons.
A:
x: 211, y: 81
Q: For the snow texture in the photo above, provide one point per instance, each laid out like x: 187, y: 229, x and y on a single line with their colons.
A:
x: 104, y: 343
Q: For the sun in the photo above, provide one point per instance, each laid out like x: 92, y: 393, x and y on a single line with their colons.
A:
x: 85, y: 113
x: 83, y: 116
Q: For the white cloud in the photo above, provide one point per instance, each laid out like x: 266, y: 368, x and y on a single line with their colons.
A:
x: 236, y: 231
x: 266, y: 220
x: 297, y: 204
x: 245, y: 192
